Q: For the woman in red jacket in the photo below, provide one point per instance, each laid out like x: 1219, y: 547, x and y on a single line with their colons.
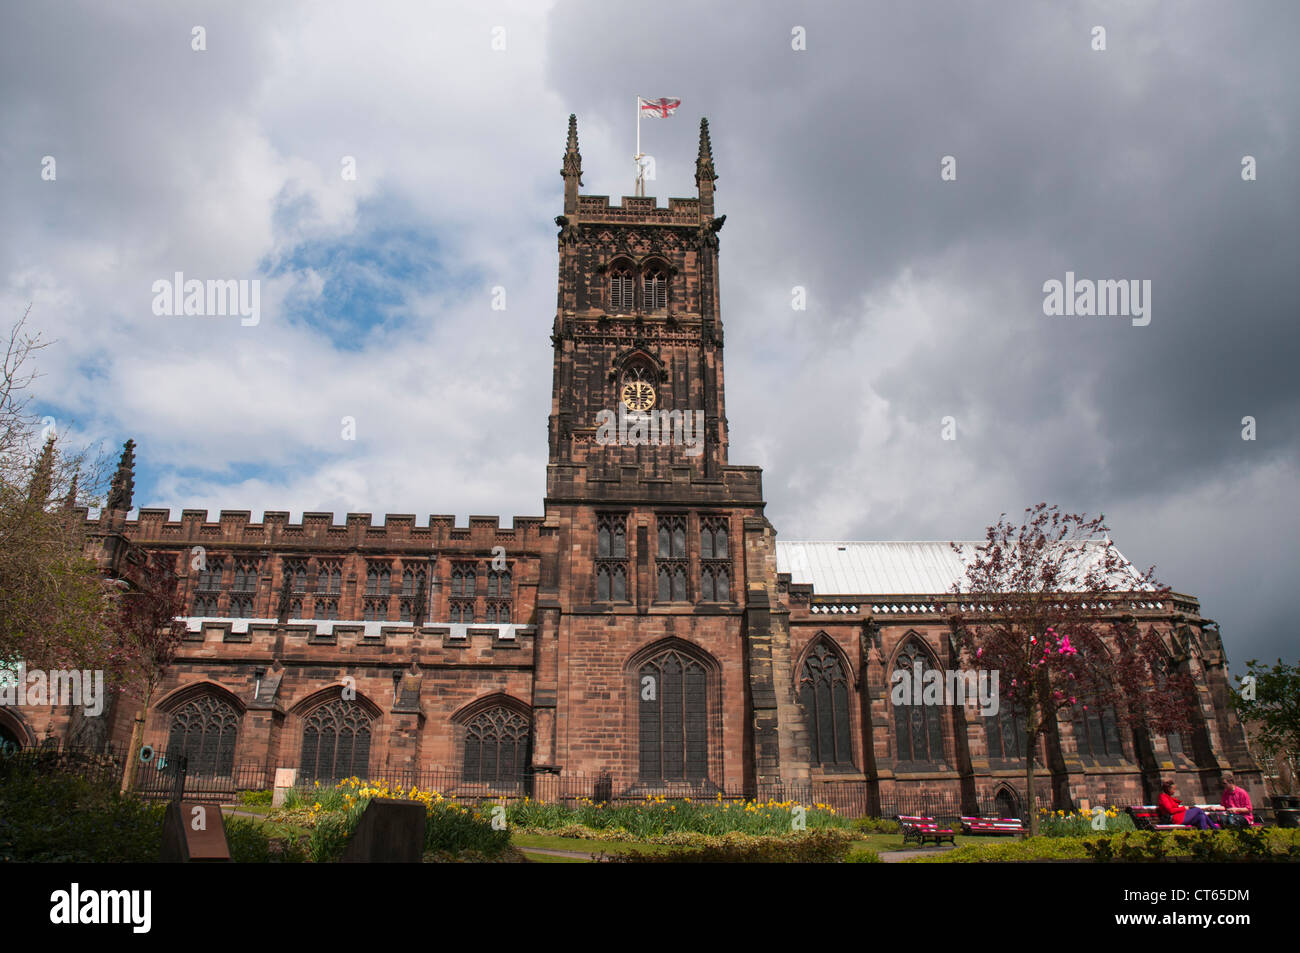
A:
x: 1173, y: 808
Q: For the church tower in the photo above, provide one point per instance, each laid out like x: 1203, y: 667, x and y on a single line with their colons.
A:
x: 670, y: 658
x: 638, y: 340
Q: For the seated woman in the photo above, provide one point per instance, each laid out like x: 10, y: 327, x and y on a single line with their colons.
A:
x: 1237, y: 802
x: 1173, y: 808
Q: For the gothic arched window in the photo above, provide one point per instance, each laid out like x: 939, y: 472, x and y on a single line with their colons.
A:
x: 611, y: 558
x: 378, y: 579
x: 654, y: 284
x: 204, y: 731
x: 715, y: 567
x: 917, y: 729
x: 824, y: 694
x: 496, y: 746
x: 1005, y: 732
x: 211, y: 575
x: 1096, y: 731
x: 671, y: 561
x: 620, y: 288
x: 246, y: 575
x: 464, y: 579
x: 674, y: 711
x: 329, y: 578
x: 296, y: 570
x: 336, y: 742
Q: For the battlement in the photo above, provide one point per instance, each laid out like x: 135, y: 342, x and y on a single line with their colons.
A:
x: 640, y: 210
x: 237, y: 527
x: 482, y: 640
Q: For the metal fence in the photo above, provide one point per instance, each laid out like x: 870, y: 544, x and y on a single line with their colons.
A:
x: 156, y: 778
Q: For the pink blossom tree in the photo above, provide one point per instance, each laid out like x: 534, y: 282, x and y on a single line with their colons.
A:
x: 1053, y: 608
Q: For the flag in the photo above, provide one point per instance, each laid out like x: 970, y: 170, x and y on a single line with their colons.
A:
x: 658, y: 108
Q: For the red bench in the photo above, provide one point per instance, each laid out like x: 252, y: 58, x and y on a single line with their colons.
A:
x: 925, y: 830
x: 992, y: 826
x: 1146, y: 817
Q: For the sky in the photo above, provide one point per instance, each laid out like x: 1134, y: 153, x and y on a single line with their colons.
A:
x: 388, y: 172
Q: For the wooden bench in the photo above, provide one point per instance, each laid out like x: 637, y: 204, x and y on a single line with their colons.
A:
x: 925, y: 830
x: 992, y: 826
x: 1146, y: 817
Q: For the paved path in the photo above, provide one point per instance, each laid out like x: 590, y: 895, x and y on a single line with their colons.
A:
x: 584, y: 854
x: 894, y: 856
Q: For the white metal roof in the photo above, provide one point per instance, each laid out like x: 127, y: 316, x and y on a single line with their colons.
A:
x: 846, y: 567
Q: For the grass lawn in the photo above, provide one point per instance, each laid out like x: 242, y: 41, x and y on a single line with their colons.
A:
x: 272, y: 828
x: 259, y: 809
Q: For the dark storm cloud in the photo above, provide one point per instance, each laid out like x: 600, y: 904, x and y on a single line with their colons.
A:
x: 1117, y: 164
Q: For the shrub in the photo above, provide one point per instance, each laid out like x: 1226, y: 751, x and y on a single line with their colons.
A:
x: 876, y: 825
x: 863, y: 857
x: 53, y: 815
x: 250, y: 843
x: 254, y: 798
x: 1008, y: 851
x: 656, y: 815
x: 820, y: 846
x: 1252, y: 845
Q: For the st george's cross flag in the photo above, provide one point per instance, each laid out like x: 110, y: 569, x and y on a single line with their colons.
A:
x: 658, y: 108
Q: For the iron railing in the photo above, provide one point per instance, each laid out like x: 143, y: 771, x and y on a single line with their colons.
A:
x: 156, y: 778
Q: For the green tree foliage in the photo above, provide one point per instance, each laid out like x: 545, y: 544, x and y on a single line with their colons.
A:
x: 1270, y: 696
x: 56, y: 612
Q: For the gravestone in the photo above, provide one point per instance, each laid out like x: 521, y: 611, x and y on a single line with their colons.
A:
x: 193, y: 833
x: 390, y: 832
x: 284, y: 780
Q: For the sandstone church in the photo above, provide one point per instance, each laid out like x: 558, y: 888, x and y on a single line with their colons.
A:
x: 647, y: 632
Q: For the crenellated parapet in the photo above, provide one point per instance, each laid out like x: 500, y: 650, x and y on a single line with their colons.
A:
x: 237, y: 528
x: 638, y: 210
x: 324, y: 642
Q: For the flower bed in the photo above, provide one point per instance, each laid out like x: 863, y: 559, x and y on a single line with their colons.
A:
x: 1084, y: 822
x: 331, y: 814
x: 656, y: 816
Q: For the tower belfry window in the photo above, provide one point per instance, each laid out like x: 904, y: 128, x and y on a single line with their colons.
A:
x: 620, y: 288
x: 654, y: 285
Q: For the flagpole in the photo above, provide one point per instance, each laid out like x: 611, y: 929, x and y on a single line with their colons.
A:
x: 640, y: 183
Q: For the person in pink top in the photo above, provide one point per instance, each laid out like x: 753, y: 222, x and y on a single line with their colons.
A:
x: 1236, y: 800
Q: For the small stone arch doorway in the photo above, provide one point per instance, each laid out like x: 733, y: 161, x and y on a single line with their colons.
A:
x: 1006, y: 802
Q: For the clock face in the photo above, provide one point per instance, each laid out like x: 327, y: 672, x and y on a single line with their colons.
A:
x: 638, y: 395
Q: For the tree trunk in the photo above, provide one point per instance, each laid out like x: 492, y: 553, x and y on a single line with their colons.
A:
x: 137, y: 742
x: 1030, y: 800
x: 133, y: 752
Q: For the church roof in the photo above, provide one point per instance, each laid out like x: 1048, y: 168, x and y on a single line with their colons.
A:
x: 843, y: 567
